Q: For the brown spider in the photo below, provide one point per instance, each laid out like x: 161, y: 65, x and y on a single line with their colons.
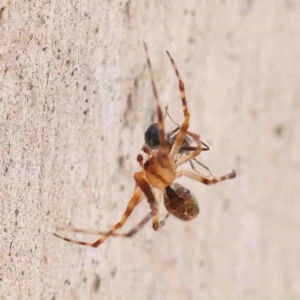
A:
x: 160, y: 171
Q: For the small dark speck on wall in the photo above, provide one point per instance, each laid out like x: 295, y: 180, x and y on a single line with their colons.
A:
x: 278, y: 131
x: 97, y: 283
x: 121, y: 161
x: 290, y: 4
x: 246, y: 7
x: 153, y: 116
x: 113, y: 272
x: 1, y: 11
x: 129, y: 102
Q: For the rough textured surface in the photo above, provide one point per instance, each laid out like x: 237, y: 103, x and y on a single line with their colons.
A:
x: 75, y: 100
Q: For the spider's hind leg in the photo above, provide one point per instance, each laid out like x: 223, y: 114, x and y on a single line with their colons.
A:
x: 142, y: 187
x: 135, y: 200
x: 130, y: 233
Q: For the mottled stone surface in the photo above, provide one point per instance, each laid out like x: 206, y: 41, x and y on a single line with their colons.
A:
x: 75, y: 100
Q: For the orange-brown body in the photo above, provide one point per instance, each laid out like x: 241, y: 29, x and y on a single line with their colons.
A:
x: 157, y: 175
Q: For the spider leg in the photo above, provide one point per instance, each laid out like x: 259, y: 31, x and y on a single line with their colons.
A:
x: 147, y: 191
x: 176, y: 129
x: 191, y: 148
x: 130, y: 233
x: 167, y: 114
x: 201, y: 164
x: 141, y: 187
x: 163, y: 221
x: 162, y: 138
x: 206, y: 147
x: 193, y: 154
x: 185, y: 125
x: 169, y: 134
x: 134, y: 201
x: 79, y: 230
x: 203, y: 179
x: 145, y: 187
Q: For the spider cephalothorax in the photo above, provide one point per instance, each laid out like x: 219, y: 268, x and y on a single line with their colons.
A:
x: 159, y: 171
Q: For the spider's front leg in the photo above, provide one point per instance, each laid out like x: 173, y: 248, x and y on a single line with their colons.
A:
x: 163, y: 152
x: 159, y: 168
x: 186, y: 122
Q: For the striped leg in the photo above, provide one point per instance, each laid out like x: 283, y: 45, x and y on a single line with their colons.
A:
x: 185, y: 125
x: 203, y: 179
x: 162, y: 138
x: 135, y: 200
x: 206, y: 148
x: 141, y: 187
x: 130, y: 233
x: 151, y: 199
x: 145, y: 187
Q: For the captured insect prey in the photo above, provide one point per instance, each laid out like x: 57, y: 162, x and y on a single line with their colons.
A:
x: 152, y: 139
x: 152, y: 142
x: 166, y: 152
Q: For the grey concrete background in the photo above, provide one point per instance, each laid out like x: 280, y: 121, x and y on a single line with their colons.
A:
x: 75, y: 101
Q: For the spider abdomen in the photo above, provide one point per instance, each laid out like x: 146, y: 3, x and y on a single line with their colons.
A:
x: 180, y: 202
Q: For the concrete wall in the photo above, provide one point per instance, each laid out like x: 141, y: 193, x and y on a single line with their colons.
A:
x: 75, y: 100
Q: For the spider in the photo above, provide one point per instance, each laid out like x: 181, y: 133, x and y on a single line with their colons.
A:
x: 159, y: 171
